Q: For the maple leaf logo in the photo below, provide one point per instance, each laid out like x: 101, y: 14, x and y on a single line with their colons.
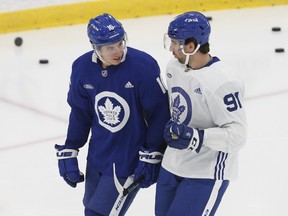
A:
x: 177, y: 110
x: 110, y: 113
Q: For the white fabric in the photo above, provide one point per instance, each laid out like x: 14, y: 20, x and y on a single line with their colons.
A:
x: 66, y: 153
x: 201, y: 93
x: 151, y: 157
x: 195, y: 141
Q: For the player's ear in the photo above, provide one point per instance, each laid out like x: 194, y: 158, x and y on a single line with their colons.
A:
x: 190, y: 47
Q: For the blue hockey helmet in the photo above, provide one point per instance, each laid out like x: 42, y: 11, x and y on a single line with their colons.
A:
x: 104, y: 30
x: 190, y: 25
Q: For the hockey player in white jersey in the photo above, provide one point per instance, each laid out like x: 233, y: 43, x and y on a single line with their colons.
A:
x: 207, y: 126
x: 115, y: 94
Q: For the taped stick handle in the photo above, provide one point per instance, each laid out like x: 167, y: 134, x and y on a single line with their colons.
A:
x: 134, y: 185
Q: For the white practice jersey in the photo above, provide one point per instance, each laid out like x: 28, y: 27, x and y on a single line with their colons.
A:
x: 211, y: 99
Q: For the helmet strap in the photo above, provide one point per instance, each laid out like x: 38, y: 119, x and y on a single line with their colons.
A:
x: 187, y: 55
x: 124, y: 54
x: 100, y: 57
x: 105, y: 62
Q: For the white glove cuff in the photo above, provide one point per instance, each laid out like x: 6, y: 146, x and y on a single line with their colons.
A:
x: 150, y: 157
x: 66, y: 153
x: 194, y: 142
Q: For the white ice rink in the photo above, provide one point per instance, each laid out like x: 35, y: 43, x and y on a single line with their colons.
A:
x: 34, y: 113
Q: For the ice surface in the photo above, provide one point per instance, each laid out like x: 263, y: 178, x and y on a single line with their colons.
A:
x: 34, y: 113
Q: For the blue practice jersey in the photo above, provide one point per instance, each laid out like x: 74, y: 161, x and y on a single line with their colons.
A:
x: 124, y: 106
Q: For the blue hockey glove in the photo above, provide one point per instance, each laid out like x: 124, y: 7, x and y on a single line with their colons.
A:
x: 167, y: 133
x: 180, y: 136
x: 148, y: 166
x: 68, y: 165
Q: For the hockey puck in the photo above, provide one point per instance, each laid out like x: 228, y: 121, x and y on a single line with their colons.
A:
x: 279, y: 50
x: 276, y: 29
x: 43, y: 61
x: 18, y: 41
x: 209, y: 18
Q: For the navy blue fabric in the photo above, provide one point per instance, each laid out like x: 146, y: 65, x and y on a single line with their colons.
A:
x: 185, y: 196
x: 148, y: 104
x: 101, y: 194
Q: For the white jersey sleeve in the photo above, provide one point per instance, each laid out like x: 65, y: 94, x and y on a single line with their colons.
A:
x: 224, y: 96
x: 210, y: 99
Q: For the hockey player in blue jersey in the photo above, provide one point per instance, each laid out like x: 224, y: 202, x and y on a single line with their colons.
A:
x: 115, y: 94
x: 207, y: 126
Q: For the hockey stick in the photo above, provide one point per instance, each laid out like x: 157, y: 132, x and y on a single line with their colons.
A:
x: 129, y: 186
x: 119, y: 202
x: 132, y: 186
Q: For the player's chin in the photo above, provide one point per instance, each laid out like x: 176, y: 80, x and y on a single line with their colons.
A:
x: 180, y: 60
x: 114, y: 63
x: 176, y: 56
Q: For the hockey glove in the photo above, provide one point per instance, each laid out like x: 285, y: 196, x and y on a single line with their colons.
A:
x: 167, y: 133
x: 180, y: 136
x: 68, y: 165
x: 148, y: 166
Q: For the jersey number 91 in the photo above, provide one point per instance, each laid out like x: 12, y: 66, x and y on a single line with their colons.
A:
x: 232, y: 101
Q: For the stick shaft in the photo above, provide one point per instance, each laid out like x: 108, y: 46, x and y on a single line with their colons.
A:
x: 134, y: 185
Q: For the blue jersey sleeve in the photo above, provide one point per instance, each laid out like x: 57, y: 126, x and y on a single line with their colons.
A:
x: 154, y: 100
x: 80, y: 118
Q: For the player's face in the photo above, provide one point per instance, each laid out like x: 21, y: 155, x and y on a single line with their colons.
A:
x: 176, y: 49
x: 112, y: 54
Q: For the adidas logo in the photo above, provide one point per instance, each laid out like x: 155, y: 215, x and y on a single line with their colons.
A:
x: 198, y: 91
x: 129, y: 85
